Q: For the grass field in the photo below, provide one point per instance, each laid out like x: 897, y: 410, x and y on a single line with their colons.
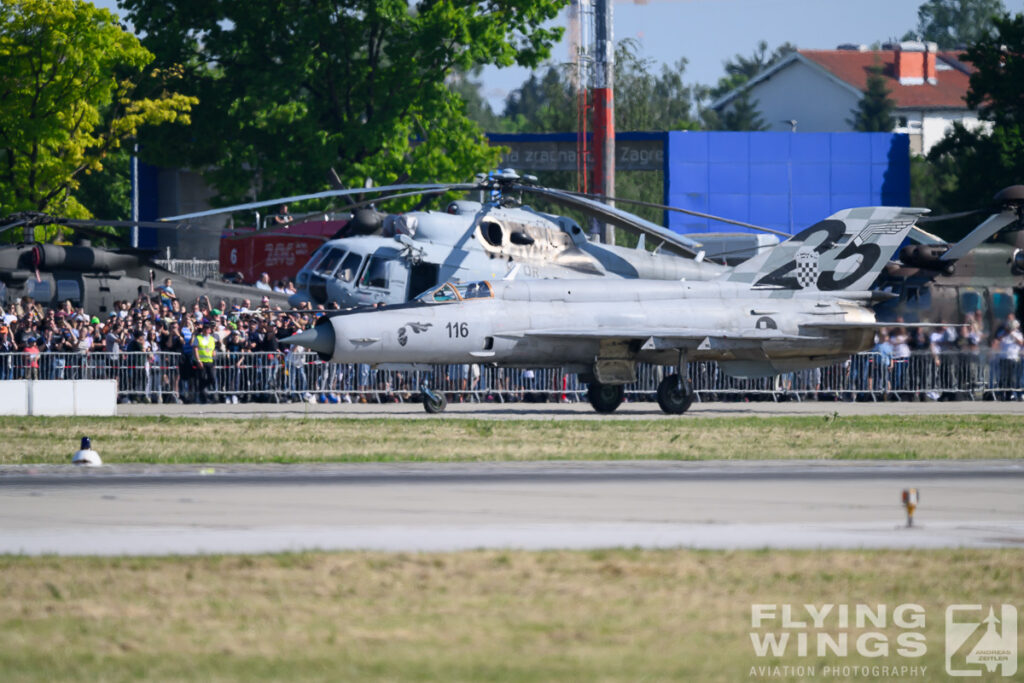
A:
x: 484, y: 615
x: 189, y: 440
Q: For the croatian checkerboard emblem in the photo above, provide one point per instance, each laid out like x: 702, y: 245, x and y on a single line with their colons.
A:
x: 807, y: 268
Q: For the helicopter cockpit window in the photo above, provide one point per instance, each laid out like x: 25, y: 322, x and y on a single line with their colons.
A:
x: 69, y: 289
x: 330, y: 261
x: 317, y: 257
x: 40, y: 291
x: 475, y: 290
x: 349, y: 267
x: 971, y: 301
x: 376, y: 273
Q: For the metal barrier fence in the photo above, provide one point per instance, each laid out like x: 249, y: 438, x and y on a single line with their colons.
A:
x: 278, y: 377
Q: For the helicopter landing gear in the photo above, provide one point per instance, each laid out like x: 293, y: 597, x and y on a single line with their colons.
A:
x: 675, y: 394
x: 433, y: 403
x: 605, y: 398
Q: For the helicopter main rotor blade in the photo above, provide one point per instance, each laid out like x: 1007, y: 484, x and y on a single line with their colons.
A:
x: 75, y: 222
x: 316, y: 195
x: 674, y: 242
x: 689, y: 212
x: 12, y: 226
x: 37, y: 218
x: 989, y: 227
x: 948, y: 216
x: 416, y: 193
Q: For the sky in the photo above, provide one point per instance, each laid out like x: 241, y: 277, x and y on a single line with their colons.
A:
x: 708, y: 32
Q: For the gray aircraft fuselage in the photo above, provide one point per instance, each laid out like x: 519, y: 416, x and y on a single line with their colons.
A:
x: 580, y: 324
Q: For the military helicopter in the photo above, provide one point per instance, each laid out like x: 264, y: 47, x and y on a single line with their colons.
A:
x: 94, y: 278
x: 935, y: 280
x: 390, y: 258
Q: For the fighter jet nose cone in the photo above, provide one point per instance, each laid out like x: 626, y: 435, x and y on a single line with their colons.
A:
x: 319, y: 339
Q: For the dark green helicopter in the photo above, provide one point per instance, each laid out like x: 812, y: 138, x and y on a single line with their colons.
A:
x: 982, y: 273
x: 94, y: 278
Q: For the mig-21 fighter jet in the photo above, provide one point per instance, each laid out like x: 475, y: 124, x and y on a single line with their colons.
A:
x: 802, y: 304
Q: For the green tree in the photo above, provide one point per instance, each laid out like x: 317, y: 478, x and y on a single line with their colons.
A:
x: 468, y: 86
x: 982, y: 161
x: 291, y: 91
x: 742, y: 68
x: 645, y: 100
x: 741, y: 113
x: 542, y: 105
x: 874, y: 111
x: 955, y: 23
x: 69, y: 95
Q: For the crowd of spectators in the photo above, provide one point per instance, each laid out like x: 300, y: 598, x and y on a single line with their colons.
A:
x: 41, y: 343
x: 954, y: 355
x: 154, y: 322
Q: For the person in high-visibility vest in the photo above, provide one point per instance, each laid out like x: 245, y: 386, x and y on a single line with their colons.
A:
x: 205, y: 348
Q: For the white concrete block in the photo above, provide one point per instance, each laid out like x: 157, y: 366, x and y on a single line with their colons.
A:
x: 95, y: 397
x: 51, y: 397
x: 14, y: 397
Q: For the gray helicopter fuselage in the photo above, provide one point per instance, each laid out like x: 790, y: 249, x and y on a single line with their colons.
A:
x: 473, y: 241
x: 95, y: 278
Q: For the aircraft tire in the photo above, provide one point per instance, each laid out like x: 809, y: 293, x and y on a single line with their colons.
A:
x: 605, y: 398
x: 675, y: 396
x: 435, y: 406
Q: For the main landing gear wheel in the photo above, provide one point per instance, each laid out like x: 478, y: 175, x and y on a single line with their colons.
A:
x: 675, y: 395
x: 605, y: 397
x: 434, y: 403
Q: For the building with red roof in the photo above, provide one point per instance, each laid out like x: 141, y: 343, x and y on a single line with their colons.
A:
x: 818, y: 90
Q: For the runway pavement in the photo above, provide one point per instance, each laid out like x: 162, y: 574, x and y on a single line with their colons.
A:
x: 570, y: 411
x: 147, y: 509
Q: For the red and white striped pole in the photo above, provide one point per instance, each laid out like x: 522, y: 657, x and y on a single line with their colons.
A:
x: 604, y: 107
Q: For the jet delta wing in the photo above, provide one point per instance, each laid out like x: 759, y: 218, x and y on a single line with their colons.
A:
x: 803, y: 304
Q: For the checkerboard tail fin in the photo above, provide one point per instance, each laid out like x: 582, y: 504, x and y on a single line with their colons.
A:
x: 846, y: 251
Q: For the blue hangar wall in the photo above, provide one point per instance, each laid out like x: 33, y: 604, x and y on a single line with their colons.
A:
x: 784, y: 181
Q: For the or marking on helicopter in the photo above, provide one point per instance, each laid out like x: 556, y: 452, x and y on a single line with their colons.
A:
x: 527, y: 270
x: 766, y: 323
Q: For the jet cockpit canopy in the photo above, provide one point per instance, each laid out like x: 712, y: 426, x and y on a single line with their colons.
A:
x: 457, y: 291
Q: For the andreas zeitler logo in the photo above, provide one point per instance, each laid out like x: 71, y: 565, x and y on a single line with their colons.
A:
x: 981, y: 640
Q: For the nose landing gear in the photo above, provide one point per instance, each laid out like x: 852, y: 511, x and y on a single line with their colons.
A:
x: 433, y: 402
